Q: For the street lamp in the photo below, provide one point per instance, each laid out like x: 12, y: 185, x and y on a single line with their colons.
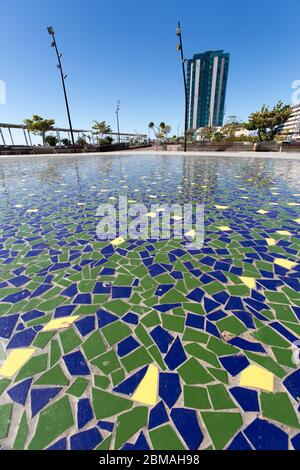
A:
x: 63, y: 78
x: 117, y: 113
x: 180, y: 49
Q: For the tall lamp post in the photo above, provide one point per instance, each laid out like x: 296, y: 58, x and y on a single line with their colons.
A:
x: 117, y: 114
x: 63, y: 78
x: 179, y: 48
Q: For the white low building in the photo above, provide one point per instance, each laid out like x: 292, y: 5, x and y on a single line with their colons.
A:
x: 290, y: 130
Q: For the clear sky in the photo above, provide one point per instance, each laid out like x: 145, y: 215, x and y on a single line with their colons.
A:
x: 126, y: 49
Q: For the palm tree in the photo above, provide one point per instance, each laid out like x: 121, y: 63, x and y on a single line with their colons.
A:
x: 151, y: 125
x: 102, y: 128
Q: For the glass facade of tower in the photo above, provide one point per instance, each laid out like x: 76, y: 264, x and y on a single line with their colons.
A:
x: 206, y: 89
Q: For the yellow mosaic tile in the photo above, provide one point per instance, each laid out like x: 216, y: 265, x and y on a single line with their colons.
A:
x: 257, y: 377
x: 146, y: 391
x: 248, y: 281
x: 117, y: 241
x: 190, y: 233
x: 15, y: 361
x: 271, y: 241
x: 262, y: 211
x: 221, y: 207
x: 285, y: 263
x: 224, y: 228
x: 59, y: 323
x: 284, y: 232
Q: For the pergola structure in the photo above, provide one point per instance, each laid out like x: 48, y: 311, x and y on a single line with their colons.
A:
x: 122, y: 136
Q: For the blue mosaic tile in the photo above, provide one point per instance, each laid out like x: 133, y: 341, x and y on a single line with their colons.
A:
x: 40, y: 397
x: 85, y: 440
x: 19, y: 392
x: 247, y: 399
x: 169, y: 388
x: 266, y: 436
x: 76, y: 364
x: 186, y: 423
x: 158, y: 415
x: 234, y: 364
x: 84, y: 412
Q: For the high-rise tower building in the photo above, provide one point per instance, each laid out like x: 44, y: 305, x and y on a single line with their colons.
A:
x: 206, y: 89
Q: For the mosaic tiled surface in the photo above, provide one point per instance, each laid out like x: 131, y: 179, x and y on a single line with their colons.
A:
x: 146, y: 345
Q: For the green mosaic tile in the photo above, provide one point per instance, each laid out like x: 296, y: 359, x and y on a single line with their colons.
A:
x: 94, y: 345
x: 220, y: 398
x: 78, y: 387
x: 220, y: 348
x: 117, y: 376
x: 101, y: 381
x: 42, y: 339
x: 107, y: 362
x: 231, y: 324
x: 4, y: 383
x: 129, y: 423
x: 136, y: 359
x: 34, y: 366
x: 115, y: 332
x: 53, y: 421
x: 53, y: 376
x: 196, y: 397
x: 105, y: 444
x: 5, y: 416
x: 165, y: 438
x: 69, y: 340
x: 192, y: 372
x: 221, y: 426
x: 20, y: 439
x: 55, y: 353
x: 194, y: 335
x: 155, y: 353
x: 267, y: 335
x: 202, y: 353
x: 277, y: 406
x: 106, y: 404
x: 151, y: 319
x: 143, y: 336
x: 219, y: 374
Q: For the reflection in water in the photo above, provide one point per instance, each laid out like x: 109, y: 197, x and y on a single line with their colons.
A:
x: 55, y: 182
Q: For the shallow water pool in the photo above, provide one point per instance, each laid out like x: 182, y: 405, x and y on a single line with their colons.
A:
x: 153, y: 345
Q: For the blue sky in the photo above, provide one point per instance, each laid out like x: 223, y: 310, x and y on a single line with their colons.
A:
x: 126, y: 50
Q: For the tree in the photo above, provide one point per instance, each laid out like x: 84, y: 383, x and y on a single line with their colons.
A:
x: 81, y: 141
x: 39, y: 126
x: 233, y: 119
x: 206, y: 133
x: 52, y: 140
x: 151, y: 126
x: 161, y: 132
x: 266, y: 120
x: 66, y: 142
x: 101, y: 128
